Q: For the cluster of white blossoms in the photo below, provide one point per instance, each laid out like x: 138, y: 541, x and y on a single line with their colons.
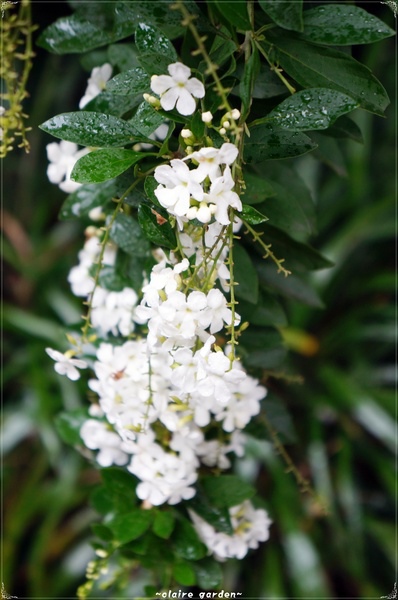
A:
x: 172, y: 398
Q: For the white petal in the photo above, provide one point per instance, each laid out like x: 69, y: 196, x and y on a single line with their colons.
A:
x: 169, y: 98
x: 195, y: 87
x: 161, y: 83
x: 179, y: 72
x: 186, y: 105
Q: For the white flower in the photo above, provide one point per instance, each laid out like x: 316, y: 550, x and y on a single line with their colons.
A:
x: 96, y: 435
x: 63, y: 157
x: 177, y: 185
x: 66, y: 365
x: 210, y: 159
x: 96, y: 83
x: 178, y: 89
x: 223, y: 197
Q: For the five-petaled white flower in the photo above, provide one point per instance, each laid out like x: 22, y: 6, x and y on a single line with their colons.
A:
x: 66, y: 365
x: 178, y: 89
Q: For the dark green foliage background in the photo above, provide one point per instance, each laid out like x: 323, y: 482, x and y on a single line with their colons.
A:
x: 336, y: 415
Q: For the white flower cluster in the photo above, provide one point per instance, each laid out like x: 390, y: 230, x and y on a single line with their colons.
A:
x: 111, y: 312
x: 171, y: 401
x: 250, y: 526
x: 203, y: 192
x: 159, y: 393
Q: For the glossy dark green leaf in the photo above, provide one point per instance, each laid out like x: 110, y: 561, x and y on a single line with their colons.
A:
x: 112, y: 104
x: 316, y: 108
x: 158, y: 13
x: 329, y: 152
x: 345, y: 127
x: 252, y: 215
x: 343, y: 25
x: 146, y: 120
x: 235, y: 13
x: 127, y: 234
x: 267, y: 84
x: 267, y: 142
x: 69, y: 424
x: 163, y: 524
x: 221, y: 50
x: 150, y: 186
x: 123, y: 56
x: 268, y: 311
x: 85, y: 198
x: 120, y: 482
x: 130, y: 83
x: 291, y: 208
x: 130, y: 526
x: 184, y: 573
x: 262, y: 347
x: 101, y: 500
x: 256, y: 189
x: 288, y: 15
x: 245, y: 275
x: 102, y: 165
x: 250, y: 72
x: 318, y: 66
x: 154, y: 63
x: 226, y: 491
x: 218, y: 517
x: 112, y: 280
x: 298, y: 255
x: 76, y: 33
x: 209, y: 573
x: 155, y: 228
x: 186, y: 541
x: 150, y: 40
x: 92, y: 129
x: 291, y: 286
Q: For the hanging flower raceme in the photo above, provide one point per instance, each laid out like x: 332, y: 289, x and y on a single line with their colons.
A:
x: 172, y: 399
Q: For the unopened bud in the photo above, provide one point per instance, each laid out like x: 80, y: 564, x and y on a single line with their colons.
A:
x: 235, y: 114
x: 207, y: 117
x: 186, y: 133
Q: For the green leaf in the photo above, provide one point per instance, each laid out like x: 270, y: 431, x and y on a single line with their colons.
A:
x: 123, y: 56
x: 209, y: 573
x: 267, y: 311
x: 127, y: 234
x: 245, y: 275
x: 102, y: 165
x: 256, y: 189
x: 344, y: 127
x: 76, y: 33
x: 218, y: 517
x: 226, y: 491
x: 85, y: 198
x: 262, y: 348
x: 291, y: 208
x: 68, y: 425
x: 150, y: 186
x: 317, y: 66
x: 235, y: 13
x: 131, y: 526
x: 298, y: 255
x: 291, y: 287
x: 102, y: 532
x: 184, y: 573
x: 130, y: 83
x: 146, y: 120
x: 120, y: 483
x: 163, y: 524
x: 267, y: 142
x: 92, y: 129
x: 250, y: 72
x: 160, y: 14
x: 186, y: 541
x: 112, y: 104
x: 159, y: 233
x: 150, y: 39
x: 267, y: 84
x: 222, y: 49
x: 316, y: 108
x: 343, y: 25
x: 252, y: 215
x: 288, y: 15
x: 329, y: 152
